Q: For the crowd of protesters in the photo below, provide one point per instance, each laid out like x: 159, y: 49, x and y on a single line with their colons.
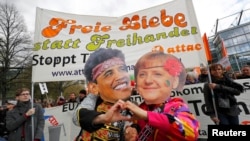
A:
x: 202, y: 77
x: 191, y: 78
x: 73, y: 97
x: 16, y: 113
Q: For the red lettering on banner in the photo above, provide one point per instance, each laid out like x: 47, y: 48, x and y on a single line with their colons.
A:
x: 136, y: 23
x: 57, y: 24
x: 246, y: 122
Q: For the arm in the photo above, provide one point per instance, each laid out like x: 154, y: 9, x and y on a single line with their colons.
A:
x: 208, y: 100
x: 86, y: 118
x: 14, y: 120
x: 91, y: 120
x: 227, y: 89
x: 176, y: 120
x: 88, y: 103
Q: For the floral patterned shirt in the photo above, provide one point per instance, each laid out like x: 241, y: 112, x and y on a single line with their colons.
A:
x: 174, y: 122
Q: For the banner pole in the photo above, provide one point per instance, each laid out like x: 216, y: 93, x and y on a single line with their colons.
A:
x: 32, y: 105
x: 212, y: 93
x: 209, y: 58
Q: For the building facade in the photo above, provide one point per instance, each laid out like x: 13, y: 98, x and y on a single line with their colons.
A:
x: 235, y: 39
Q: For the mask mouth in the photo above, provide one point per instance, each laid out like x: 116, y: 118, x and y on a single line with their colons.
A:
x: 121, y: 86
x: 121, y: 83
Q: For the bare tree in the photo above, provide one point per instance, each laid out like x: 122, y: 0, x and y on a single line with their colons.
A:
x: 15, y: 43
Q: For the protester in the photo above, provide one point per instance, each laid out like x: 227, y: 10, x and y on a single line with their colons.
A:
x: 224, y: 90
x: 10, y: 104
x: 245, y: 72
x: 72, y: 97
x: 81, y: 96
x: 3, y: 130
x: 234, y: 75
x: 107, y: 76
x: 18, y: 120
x: 47, y: 103
x: 160, y: 117
x: 60, y: 101
x: 191, y: 79
x: 203, y: 77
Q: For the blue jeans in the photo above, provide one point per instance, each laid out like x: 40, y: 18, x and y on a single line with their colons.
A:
x: 228, y: 120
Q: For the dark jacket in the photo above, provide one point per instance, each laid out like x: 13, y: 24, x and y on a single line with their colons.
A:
x: 225, y: 88
x: 112, y: 131
x: 16, y: 120
x: 3, y: 130
x: 243, y: 77
x: 203, y: 78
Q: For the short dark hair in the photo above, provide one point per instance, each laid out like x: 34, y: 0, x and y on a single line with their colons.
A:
x: 99, y: 56
x: 19, y: 91
x: 215, y: 66
x: 83, y: 92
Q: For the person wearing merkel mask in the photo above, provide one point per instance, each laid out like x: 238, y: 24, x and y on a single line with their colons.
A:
x: 160, y: 117
x: 18, y: 120
x: 100, y: 115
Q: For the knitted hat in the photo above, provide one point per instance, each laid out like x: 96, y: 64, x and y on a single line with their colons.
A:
x: 13, y: 102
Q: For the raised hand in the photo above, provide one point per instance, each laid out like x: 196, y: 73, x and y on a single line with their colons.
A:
x: 30, y: 112
x: 113, y: 114
x: 137, y: 112
x: 130, y: 134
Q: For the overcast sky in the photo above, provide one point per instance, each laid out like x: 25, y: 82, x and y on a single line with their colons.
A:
x: 207, y: 11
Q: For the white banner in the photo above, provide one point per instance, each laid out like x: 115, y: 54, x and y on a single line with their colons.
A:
x: 59, y: 126
x: 63, y: 41
x: 58, y: 123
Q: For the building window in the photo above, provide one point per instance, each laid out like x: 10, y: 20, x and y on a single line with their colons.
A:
x: 231, y: 50
x: 228, y: 43
x: 238, y: 31
x: 248, y: 37
x: 246, y: 29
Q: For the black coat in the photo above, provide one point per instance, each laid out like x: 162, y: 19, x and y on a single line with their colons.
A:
x: 225, y: 87
x: 3, y: 129
x: 16, y: 120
